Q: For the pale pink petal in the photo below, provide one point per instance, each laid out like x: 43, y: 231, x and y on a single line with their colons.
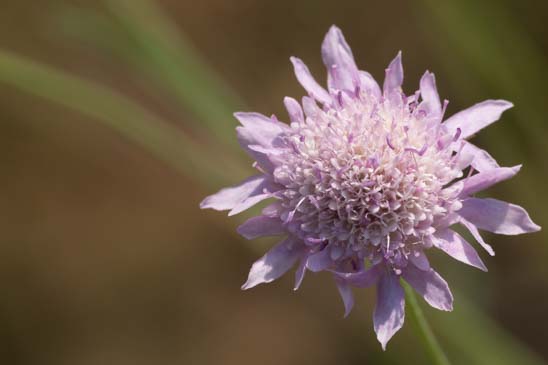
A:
x: 319, y: 261
x: 390, y: 309
x: 261, y: 226
x: 339, y: 61
x: 310, y: 107
x: 346, y: 295
x: 455, y: 246
x: 250, y: 191
x: 274, y: 263
x: 420, y: 260
x: 294, y: 110
x: 307, y: 81
x: 364, y: 278
x: 479, y: 159
x: 258, y: 129
x: 429, y: 94
x: 368, y: 83
x: 258, y: 135
x: 497, y: 216
x: 394, y: 76
x: 431, y: 286
x: 477, y: 117
x: 486, y: 179
x: 299, y: 274
x: 475, y: 233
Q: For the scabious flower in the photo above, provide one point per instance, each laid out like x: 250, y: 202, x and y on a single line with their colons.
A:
x: 365, y: 181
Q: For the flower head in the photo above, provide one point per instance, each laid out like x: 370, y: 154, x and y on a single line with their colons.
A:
x: 365, y: 181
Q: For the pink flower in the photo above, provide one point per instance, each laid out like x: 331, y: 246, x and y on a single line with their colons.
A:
x: 365, y: 181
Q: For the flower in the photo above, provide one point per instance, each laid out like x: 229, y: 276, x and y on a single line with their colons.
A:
x: 365, y: 181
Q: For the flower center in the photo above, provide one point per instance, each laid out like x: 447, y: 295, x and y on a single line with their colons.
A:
x: 365, y: 181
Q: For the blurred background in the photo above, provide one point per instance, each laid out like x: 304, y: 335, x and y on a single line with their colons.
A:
x: 115, y: 121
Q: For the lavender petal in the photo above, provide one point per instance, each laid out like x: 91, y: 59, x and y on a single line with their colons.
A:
x: 497, y: 216
x: 389, y: 312
x: 431, y: 286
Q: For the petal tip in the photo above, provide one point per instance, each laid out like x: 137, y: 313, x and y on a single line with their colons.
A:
x: 383, y: 343
x: 334, y: 28
x: 204, y: 203
x: 250, y: 283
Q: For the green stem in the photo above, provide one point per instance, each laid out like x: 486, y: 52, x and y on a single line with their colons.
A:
x: 428, y: 338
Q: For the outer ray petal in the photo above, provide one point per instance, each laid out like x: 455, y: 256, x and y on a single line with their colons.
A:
x: 258, y: 136
x: 431, y: 286
x: 309, y: 83
x: 394, y: 76
x: 486, y: 179
x: 367, y: 82
x: 364, y: 278
x: 294, y: 110
x: 455, y: 246
x: 240, y: 197
x: 274, y: 263
x: 474, y: 231
x: 346, y: 295
x: 477, y: 117
x: 339, y: 61
x: 429, y: 93
x: 261, y: 226
x: 480, y: 159
x: 299, y: 274
x: 390, y: 309
x: 420, y: 260
x: 319, y: 261
x: 497, y: 216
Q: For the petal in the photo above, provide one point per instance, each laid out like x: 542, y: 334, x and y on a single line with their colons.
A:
x: 294, y: 110
x: 419, y: 259
x: 239, y: 197
x: 497, y: 216
x: 394, y: 76
x: 261, y: 226
x: 368, y: 83
x: 363, y: 279
x: 319, y: 261
x: 299, y: 274
x: 258, y: 129
x: 480, y: 159
x: 475, y: 233
x: 346, y: 295
x: 477, y: 117
x: 431, y: 286
x: 486, y: 179
x: 339, y: 61
x: 309, y: 84
x: 455, y: 246
x: 390, y: 309
x: 274, y: 263
x: 429, y: 93
x: 310, y: 107
x: 258, y: 135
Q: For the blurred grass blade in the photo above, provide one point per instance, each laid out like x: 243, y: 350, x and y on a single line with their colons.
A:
x: 479, y: 339
x: 115, y: 111
x: 95, y: 28
x: 171, y: 59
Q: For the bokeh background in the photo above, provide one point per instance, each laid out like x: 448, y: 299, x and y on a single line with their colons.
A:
x: 115, y: 121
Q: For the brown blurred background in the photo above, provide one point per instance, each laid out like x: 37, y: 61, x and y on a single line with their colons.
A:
x: 105, y: 257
